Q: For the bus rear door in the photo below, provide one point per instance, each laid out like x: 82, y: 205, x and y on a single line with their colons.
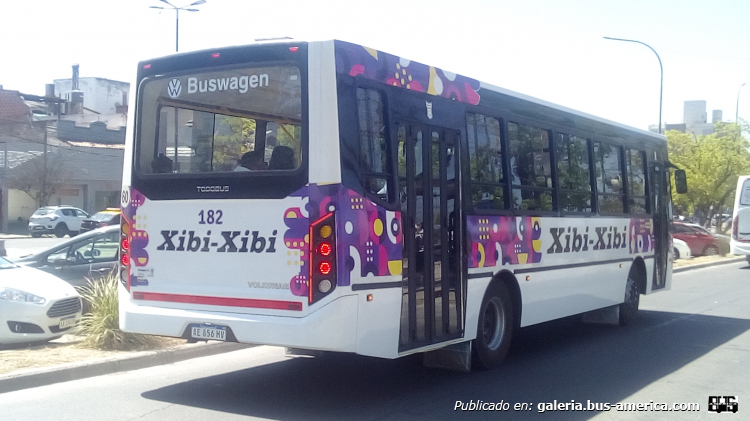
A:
x: 432, y: 300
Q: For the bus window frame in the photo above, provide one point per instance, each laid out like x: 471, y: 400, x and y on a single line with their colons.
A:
x: 289, y: 180
x: 391, y: 150
x: 137, y: 145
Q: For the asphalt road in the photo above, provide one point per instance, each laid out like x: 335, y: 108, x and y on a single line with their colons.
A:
x: 24, y: 246
x: 687, y: 344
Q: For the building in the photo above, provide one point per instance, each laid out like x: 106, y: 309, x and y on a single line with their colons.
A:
x: 694, y: 119
x: 82, y: 146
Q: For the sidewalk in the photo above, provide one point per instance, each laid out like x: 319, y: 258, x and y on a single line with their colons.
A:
x: 100, y: 363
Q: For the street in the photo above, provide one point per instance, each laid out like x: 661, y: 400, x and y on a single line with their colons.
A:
x: 24, y: 246
x: 687, y: 344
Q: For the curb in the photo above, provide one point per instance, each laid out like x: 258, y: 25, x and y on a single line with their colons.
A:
x: 74, y: 371
x: 708, y: 264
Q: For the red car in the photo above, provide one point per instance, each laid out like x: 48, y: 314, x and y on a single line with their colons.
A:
x: 700, y: 240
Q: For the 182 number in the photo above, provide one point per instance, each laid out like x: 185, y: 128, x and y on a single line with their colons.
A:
x: 210, y: 217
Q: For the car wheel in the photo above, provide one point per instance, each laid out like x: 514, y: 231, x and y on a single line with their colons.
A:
x: 710, y: 250
x: 60, y: 230
x: 747, y: 257
x: 676, y: 253
x: 494, y: 327
x: 629, y: 307
x: 36, y: 234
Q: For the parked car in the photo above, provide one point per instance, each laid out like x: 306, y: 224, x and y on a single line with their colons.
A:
x: 34, y: 306
x: 700, y: 240
x: 740, y: 241
x: 681, y: 249
x: 105, y: 218
x: 58, y: 220
x: 90, y: 255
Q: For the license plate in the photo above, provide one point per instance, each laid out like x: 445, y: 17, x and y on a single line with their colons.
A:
x: 217, y: 333
x: 67, y: 322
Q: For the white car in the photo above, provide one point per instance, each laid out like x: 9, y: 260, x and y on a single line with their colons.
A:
x: 34, y: 305
x: 681, y: 249
x: 58, y: 220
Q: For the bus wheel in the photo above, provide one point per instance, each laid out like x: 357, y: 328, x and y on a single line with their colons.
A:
x: 494, y: 327
x: 629, y: 307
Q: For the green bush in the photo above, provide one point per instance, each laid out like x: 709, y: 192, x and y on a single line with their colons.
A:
x: 100, y: 324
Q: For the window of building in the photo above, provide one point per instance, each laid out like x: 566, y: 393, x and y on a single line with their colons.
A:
x: 486, y: 161
x: 574, y: 174
x: 372, y: 142
x: 608, y: 164
x: 530, y: 167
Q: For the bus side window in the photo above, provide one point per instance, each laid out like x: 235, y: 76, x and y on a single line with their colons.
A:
x: 373, y: 155
x: 486, y: 158
x: 635, y: 162
x: 609, y: 177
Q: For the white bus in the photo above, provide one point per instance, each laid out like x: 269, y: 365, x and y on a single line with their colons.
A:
x: 328, y: 196
x: 740, y: 242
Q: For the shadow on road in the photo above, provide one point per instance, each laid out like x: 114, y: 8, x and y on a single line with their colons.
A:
x: 562, y: 360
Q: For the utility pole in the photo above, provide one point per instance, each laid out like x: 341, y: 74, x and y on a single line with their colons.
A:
x: 43, y: 200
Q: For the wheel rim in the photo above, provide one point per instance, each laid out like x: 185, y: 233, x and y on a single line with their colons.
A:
x: 493, y: 328
x: 711, y: 251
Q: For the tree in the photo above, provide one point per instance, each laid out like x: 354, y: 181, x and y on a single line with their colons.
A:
x: 712, y: 164
x: 39, y: 183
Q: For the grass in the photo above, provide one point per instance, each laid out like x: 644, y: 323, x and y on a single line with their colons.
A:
x: 101, y: 324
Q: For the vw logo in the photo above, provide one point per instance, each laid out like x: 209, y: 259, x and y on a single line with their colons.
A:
x: 174, y: 88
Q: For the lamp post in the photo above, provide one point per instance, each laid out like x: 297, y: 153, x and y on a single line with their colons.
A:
x: 661, y: 68
x: 177, y: 17
x: 737, y: 107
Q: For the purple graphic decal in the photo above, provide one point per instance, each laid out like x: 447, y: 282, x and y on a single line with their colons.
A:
x: 369, y: 238
x: 137, y: 238
x: 296, y: 238
x: 504, y: 240
x: 355, y: 60
x: 641, y: 235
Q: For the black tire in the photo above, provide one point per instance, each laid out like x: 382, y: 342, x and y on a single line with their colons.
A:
x: 494, y: 327
x: 676, y: 253
x: 61, y: 230
x: 629, y: 306
x: 36, y: 234
x: 747, y: 257
x: 710, y: 250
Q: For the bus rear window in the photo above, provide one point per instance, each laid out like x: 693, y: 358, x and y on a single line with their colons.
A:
x: 222, y: 121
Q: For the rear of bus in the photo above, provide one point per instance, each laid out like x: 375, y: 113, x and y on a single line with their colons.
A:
x: 218, y: 238
x: 740, y: 242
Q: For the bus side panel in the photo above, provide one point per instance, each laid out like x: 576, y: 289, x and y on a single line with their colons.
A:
x: 378, y: 321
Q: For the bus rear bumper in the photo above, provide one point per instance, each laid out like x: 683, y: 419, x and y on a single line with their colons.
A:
x: 739, y: 248
x: 331, y: 328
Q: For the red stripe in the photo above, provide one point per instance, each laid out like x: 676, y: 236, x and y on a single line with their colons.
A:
x: 218, y: 301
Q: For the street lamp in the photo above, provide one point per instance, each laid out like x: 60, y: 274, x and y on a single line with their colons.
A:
x: 737, y: 107
x: 661, y: 83
x: 177, y: 17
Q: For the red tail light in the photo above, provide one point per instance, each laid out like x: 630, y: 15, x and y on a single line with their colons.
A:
x: 322, y: 279
x: 125, y: 253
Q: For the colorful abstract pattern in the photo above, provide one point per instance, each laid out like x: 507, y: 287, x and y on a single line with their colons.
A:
x: 641, y: 236
x: 369, y: 238
x: 504, y: 240
x: 354, y: 60
x: 134, y: 229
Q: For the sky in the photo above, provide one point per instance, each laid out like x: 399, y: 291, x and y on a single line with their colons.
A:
x: 549, y: 49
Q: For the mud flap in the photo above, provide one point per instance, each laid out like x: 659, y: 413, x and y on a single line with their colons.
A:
x: 603, y: 316
x: 456, y: 357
